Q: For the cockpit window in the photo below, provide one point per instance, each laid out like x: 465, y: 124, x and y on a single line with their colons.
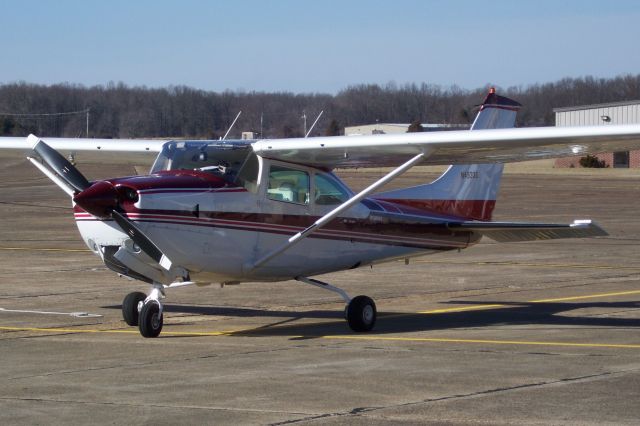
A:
x: 288, y: 185
x: 328, y: 190
x: 234, y: 162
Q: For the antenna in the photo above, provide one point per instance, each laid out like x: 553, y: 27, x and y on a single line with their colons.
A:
x: 232, y: 124
x: 314, y: 123
x: 304, y: 118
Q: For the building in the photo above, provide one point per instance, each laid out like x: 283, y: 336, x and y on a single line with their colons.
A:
x: 601, y: 115
x: 387, y: 128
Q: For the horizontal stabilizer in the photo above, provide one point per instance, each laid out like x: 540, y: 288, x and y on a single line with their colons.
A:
x: 505, y: 232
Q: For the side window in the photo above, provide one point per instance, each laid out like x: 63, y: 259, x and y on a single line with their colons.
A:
x: 288, y: 185
x: 328, y: 191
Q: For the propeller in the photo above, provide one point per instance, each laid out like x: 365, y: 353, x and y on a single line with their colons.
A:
x: 59, y: 164
x: 101, y: 198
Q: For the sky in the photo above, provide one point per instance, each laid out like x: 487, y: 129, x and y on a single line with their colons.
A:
x: 316, y: 46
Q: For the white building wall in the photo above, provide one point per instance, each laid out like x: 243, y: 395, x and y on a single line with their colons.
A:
x: 620, y: 114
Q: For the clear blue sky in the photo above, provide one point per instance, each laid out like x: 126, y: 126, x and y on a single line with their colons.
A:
x: 316, y: 46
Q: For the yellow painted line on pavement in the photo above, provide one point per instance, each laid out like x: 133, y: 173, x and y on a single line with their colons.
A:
x: 529, y: 264
x: 113, y: 331
x: 482, y: 341
x: 42, y: 249
x: 498, y: 306
x: 590, y: 296
x: 337, y: 337
x: 461, y: 309
x: 65, y: 330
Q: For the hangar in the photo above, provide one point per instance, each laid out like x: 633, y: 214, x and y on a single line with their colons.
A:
x: 386, y: 128
x: 627, y: 112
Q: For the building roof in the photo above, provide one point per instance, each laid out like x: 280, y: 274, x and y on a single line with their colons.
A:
x: 596, y: 106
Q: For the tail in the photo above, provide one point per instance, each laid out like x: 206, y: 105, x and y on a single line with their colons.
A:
x: 466, y: 191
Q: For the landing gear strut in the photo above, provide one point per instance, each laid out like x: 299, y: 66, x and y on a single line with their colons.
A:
x: 360, y: 311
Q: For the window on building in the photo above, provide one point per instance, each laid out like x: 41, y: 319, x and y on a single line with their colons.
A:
x: 621, y: 159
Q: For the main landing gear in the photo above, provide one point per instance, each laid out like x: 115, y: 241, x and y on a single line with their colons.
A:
x: 144, y: 311
x: 360, y: 311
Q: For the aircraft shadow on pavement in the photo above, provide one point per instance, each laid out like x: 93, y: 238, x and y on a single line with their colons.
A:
x: 297, y: 324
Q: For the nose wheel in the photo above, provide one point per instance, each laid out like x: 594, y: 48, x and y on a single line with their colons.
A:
x: 130, y: 312
x: 144, y: 311
x: 150, y: 322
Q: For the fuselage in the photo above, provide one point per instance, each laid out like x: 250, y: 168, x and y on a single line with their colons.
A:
x: 216, y: 226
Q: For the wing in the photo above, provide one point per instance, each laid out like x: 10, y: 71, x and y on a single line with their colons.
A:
x: 452, y: 147
x: 138, y: 151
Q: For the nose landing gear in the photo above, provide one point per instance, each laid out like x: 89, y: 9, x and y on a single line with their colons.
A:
x: 144, y: 311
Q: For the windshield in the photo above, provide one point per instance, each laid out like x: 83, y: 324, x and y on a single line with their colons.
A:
x: 233, y: 161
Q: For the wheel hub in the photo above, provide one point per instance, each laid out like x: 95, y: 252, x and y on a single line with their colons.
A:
x: 367, y: 314
x: 155, y: 321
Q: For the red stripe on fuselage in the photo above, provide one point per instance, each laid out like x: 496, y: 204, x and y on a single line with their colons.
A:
x: 424, y: 236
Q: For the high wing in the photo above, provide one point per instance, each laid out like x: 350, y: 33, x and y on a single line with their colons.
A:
x: 137, y: 151
x: 452, y: 147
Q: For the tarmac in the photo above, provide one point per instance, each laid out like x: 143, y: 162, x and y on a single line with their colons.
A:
x: 530, y: 333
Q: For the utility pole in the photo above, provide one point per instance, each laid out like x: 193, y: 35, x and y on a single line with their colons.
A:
x: 88, y: 109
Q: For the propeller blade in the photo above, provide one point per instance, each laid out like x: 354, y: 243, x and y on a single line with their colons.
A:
x: 59, y: 164
x: 141, y: 240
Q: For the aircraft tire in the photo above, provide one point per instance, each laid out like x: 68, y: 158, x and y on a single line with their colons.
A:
x: 361, y: 313
x: 150, y: 320
x: 130, y: 307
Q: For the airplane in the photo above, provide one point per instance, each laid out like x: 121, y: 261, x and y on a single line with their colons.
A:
x: 218, y: 211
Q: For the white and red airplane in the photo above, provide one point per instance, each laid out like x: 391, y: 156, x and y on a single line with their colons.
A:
x: 272, y: 210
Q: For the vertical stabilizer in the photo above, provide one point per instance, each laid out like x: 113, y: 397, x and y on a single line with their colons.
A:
x: 466, y: 191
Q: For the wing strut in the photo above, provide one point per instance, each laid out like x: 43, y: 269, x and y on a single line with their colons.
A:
x: 342, y: 207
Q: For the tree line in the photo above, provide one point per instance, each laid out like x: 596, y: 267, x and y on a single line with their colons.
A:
x: 120, y: 111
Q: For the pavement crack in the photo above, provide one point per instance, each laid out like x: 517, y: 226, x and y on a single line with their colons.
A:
x: 481, y: 393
